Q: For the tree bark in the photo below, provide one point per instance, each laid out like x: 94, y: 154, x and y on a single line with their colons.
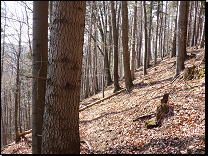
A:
x: 134, y: 38
x: 106, y: 64
x: 61, y: 115
x: 173, y: 52
x: 202, y: 40
x: 198, y: 26
x: 181, y: 37
x: 161, y: 27
x: 17, y: 93
x: 150, y: 36
x: 194, y: 30
x: 145, y: 46
x: 40, y: 53
x: 115, y: 39
x: 185, y: 30
x: 155, y: 57
x: 189, y: 25
x: 164, y: 30
x: 127, y: 72
x: 88, y: 58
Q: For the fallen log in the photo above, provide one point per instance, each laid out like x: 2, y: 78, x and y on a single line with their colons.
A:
x: 81, y: 109
x: 18, y: 135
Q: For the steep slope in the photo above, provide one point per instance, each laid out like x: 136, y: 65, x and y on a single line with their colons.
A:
x: 108, y: 127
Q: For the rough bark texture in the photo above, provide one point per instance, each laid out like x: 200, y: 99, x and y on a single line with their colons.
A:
x: 181, y: 37
x: 61, y: 115
x: 40, y: 53
x: 127, y: 72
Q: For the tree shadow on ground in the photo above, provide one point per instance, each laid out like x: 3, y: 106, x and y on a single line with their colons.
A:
x: 160, y: 145
x: 136, y: 85
x: 110, y: 113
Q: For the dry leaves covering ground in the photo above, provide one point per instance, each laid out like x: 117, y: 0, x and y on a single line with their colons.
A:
x: 108, y: 127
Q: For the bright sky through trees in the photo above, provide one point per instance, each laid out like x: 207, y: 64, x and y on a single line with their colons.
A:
x: 15, y: 12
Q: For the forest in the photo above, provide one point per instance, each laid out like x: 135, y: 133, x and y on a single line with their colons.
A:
x: 103, y: 77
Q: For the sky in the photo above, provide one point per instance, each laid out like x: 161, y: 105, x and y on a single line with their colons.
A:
x: 15, y: 11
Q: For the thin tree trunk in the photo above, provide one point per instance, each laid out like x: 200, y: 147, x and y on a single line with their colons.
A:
x: 140, y: 38
x: 40, y: 53
x: 134, y: 38
x: 185, y: 30
x: 203, y: 36
x: 145, y: 51
x: 89, y: 54
x: 161, y: 27
x: 198, y: 26
x: 173, y: 52
x: 95, y: 55
x: 150, y: 36
x: 194, y: 30
x: 189, y: 25
x: 106, y: 60
x: 164, y: 30
x: 158, y: 8
x: 17, y: 85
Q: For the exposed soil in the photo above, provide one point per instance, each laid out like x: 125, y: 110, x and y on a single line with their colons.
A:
x: 108, y: 127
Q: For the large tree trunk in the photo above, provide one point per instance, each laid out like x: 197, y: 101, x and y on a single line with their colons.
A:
x: 181, y: 37
x: 40, y: 53
x: 115, y: 39
x: 61, y: 115
x: 127, y: 72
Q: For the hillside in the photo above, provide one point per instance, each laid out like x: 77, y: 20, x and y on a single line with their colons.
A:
x: 108, y: 127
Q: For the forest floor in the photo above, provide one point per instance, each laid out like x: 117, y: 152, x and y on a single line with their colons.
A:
x: 109, y: 127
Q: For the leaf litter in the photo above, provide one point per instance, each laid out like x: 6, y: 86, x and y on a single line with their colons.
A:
x: 108, y: 127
